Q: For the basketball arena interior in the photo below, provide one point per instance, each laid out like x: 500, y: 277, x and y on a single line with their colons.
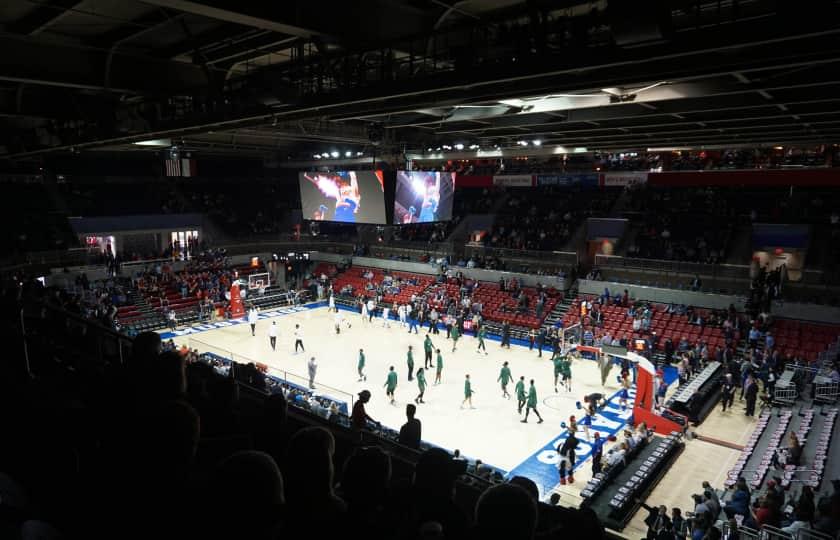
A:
x: 420, y: 269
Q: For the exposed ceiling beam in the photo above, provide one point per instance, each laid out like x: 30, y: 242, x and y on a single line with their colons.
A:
x: 44, y: 16
x: 254, y: 15
x: 219, y: 37
x: 145, y: 24
x: 42, y: 63
x: 306, y: 19
x: 251, y: 48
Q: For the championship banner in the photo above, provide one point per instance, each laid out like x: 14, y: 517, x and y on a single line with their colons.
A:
x: 623, y: 178
x: 513, y: 180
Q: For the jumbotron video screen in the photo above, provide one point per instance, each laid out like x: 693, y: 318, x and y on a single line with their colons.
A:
x: 423, y: 197
x: 345, y: 196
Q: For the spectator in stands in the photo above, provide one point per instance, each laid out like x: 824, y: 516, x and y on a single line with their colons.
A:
x: 828, y: 517
x: 309, y: 471
x: 505, y: 511
x: 678, y: 524
x: 710, y: 500
x: 766, y: 513
x: 800, y: 521
x: 411, y: 430
x: 255, y: 511
x: 359, y: 418
x: 750, y: 394
x: 432, y: 496
x: 365, y: 484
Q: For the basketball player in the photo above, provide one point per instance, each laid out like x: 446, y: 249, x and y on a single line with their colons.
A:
x: 391, y: 384
x: 339, y: 318
x: 272, y: 335
x: 482, y: 333
x: 364, y: 311
x: 438, y: 367
x: 253, y: 316
x: 468, y: 392
x: 332, y: 303
x: 431, y: 198
x: 401, y: 312
x: 360, y: 367
x: 298, y: 339
x: 427, y: 352
x: 455, y: 335
x: 409, y: 360
x: 371, y: 309
x: 558, y: 360
x: 505, y: 377
x: 421, y: 385
x: 566, y: 373
x: 386, y: 316
x: 520, y: 394
x: 532, y: 404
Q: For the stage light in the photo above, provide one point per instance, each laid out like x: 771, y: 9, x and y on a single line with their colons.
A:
x: 334, y: 154
x: 473, y: 147
x: 459, y: 146
x: 317, y: 156
x: 325, y: 155
x: 537, y: 142
x: 523, y: 143
x: 348, y: 153
x: 428, y: 149
x: 360, y: 153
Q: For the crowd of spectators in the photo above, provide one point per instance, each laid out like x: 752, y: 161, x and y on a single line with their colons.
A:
x: 693, y: 225
x: 168, y: 444
x: 716, y: 515
x: 546, y: 218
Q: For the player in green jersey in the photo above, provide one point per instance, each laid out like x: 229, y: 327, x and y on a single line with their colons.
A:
x: 505, y: 377
x: 391, y: 384
x: 468, y: 392
x: 421, y: 385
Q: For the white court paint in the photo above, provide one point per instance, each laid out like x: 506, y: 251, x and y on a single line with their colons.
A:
x: 491, y: 432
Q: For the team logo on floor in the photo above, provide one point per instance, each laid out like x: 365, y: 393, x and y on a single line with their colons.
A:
x: 541, y: 467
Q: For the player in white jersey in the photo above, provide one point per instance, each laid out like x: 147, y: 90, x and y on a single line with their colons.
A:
x: 253, y: 317
x: 386, y: 316
x: 272, y: 335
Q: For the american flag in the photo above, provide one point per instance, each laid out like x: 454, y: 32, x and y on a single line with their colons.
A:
x: 181, y: 167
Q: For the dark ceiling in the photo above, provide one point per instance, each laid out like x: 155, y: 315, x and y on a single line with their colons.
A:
x: 287, y: 79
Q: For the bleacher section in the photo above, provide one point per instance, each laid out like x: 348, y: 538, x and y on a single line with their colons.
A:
x: 800, y: 338
x: 498, y: 306
x: 666, y: 325
x: 546, y: 218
